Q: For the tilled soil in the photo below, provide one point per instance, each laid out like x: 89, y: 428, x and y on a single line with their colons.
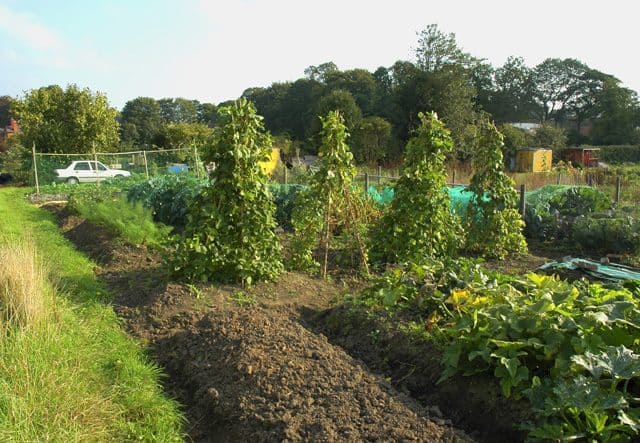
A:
x: 252, y: 373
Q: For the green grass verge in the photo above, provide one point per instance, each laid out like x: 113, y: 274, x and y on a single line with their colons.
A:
x: 76, y: 376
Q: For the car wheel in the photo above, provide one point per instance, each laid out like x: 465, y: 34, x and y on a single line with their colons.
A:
x: 118, y: 176
x: 72, y: 181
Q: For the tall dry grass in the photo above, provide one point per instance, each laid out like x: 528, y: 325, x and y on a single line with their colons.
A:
x: 25, y: 296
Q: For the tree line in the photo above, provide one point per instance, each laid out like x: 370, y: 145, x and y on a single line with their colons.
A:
x: 574, y: 104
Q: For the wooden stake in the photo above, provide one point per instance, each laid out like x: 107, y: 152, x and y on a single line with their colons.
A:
x: 35, y: 167
x: 146, y: 167
x: 95, y: 164
x: 326, y: 237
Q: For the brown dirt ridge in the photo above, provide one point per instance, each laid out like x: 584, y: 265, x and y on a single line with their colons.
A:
x: 252, y: 373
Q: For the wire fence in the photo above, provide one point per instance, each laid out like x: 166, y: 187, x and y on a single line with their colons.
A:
x: 100, y: 166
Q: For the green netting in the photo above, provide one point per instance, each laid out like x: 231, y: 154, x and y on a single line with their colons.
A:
x: 460, y: 198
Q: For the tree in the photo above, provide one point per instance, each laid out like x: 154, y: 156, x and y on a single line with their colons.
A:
x: 178, y: 110
x: 371, y: 139
x: 557, y: 82
x: 207, y: 113
x: 183, y: 135
x: 5, y: 107
x: 141, y: 121
x: 319, y: 73
x: 344, y: 102
x: 299, y: 106
x: 359, y: 82
x: 494, y: 226
x: 72, y: 120
x: 513, y: 99
x: 229, y: 234
x: 437, y: 50
x: 514, y: 139
x: 550, y: 136
x: 618, y: 115
x: 419, y: 223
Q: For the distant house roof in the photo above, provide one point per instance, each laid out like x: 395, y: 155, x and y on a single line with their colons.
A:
x: 525, y: 126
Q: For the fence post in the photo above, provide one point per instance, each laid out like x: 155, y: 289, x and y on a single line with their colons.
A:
x: 35, y: 167
x: 366, y: 182
x: 95, y: 163
x: 146, y: 166
x: 453, y: 178
x: 618, y: 189
x: 379, y: 175
x: 558, y: 179
x: 286, y: 174
x: 522, y: 204
x: 196, y: 159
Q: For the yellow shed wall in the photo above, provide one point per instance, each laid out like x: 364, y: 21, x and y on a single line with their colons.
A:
x: 270, y: 165
x: 534, y: 161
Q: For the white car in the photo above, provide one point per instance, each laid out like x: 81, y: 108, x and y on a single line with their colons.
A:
x: 84, y: 171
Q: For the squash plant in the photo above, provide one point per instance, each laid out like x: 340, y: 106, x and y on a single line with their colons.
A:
x: 229, y: 234
x: 419, y: 222
x: 330, y: 204
x: 493, y: 224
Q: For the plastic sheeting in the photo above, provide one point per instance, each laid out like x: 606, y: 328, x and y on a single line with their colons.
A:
x: 603, y: 271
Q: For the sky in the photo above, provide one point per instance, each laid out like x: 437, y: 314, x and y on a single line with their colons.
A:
x: 213, y: 50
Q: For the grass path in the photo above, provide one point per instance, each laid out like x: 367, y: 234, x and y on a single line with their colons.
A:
x: 75, y: 376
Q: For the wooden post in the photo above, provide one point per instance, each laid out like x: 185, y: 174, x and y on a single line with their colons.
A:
x: 379, y: 175
x: 95, y: 164
x: 35, y: 167
x: 366, y: 183
x: 453, y: 178
x: 146, y: 166
x: 618, y: 189
x: 522, y: 204
x: 196, y: 159
x: 558, y: 178
x: 327, y: 234
x: 286, y: 174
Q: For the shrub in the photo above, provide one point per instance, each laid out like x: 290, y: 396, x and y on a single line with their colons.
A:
x: 620, y: 153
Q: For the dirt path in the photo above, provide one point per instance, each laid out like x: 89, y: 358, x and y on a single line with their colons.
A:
x: 252, y: 373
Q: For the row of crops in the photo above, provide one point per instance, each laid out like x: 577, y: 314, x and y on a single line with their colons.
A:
x: 570, y: 350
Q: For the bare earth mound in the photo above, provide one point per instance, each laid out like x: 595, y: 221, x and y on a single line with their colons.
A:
x: 253, y: 373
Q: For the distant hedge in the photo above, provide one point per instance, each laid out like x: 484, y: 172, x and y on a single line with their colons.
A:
x: 619, y: 153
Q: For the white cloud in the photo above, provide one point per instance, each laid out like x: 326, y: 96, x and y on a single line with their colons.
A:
x: 27, y: 29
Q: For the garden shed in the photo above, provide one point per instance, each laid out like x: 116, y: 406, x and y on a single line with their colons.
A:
x: 580, y: 156
x: 534, y: 160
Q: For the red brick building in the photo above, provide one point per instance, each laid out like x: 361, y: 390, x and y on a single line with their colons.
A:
x: 9, y: 131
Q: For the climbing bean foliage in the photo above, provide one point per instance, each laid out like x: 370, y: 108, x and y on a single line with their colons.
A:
x: 329, y: 201
x: 419, y: 222
x: 229, y: 234
x: 493, y: 224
